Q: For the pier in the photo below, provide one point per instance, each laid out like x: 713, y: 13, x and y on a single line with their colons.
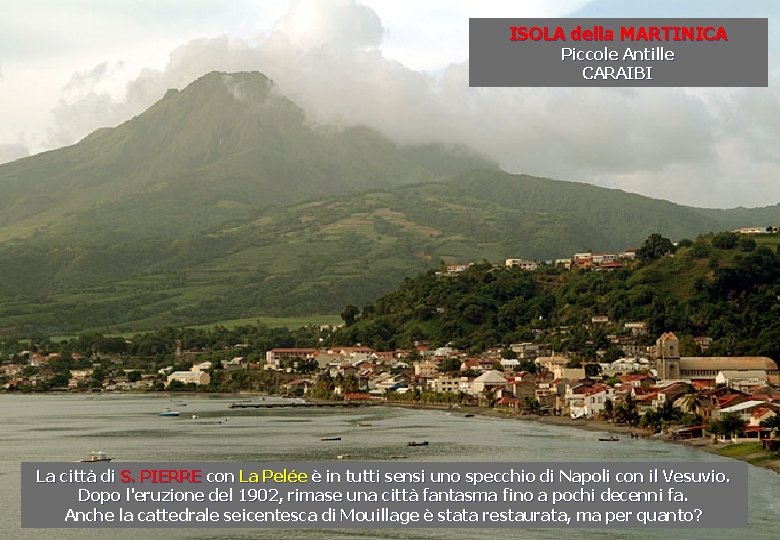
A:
x: 298, y: 405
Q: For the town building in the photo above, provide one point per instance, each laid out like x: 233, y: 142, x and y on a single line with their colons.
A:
x: 274, y: 357
x: 522, y: 264
x: 671, y: 365
x: 201, y: 378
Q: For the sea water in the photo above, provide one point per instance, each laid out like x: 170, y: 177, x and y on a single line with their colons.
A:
x: 128, y: 428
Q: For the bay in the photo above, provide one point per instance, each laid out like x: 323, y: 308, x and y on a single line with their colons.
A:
x: 127, y: 427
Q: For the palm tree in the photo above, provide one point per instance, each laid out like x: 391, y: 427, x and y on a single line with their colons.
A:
x: 690, y: 403
x: 626, y: 412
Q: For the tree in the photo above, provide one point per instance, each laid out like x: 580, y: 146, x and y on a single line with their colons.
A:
x: 349, y: 314
x: 97, y: 378
x: 609, y: 410
x: 30, y: 371
x: 59, y: 380
x: 729, y: 424
x: 592, y: 370
x: 449, y: 365
x: 771, y: 422
x: 685, y: 242
x: 612, y: 354
x: 747, y: 244
x: 654, y: 247
x: 626, y: 412
x: 725, y: 240
x: 532, y: 405
x: 691, y: 402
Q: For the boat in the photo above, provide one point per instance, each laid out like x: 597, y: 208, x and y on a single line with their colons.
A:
x: 469, y: 415
x: 342, y: 456
x: 96, y: 456
x: 330, y: 439
x: 611, y: 438
x: 194, y: 416
x: 168, y: 412
x: 182, y: 404
x: 417, y: 443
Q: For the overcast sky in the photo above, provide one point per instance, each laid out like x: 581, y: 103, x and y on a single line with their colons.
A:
x: 401, y: 66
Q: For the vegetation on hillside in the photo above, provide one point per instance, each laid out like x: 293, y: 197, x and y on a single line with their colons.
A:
x: 222, y: 201
x: 730, y: 293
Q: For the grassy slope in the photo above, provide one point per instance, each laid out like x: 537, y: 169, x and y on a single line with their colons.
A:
x: 192, y: 212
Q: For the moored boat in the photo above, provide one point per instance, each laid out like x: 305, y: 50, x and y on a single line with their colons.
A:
x: 168, y: 412
x: 611, y: 438
x: 330, y: 439
x: 417, y: 443
x: 96, y: 456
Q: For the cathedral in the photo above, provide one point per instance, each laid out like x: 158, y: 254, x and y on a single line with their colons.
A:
x: 671, y: 366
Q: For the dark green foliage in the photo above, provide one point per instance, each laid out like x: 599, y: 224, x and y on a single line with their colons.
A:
x: 349, y: 314
x: 684, y: 243
x: 655, y: 247
x: 772, y: 422
x: 725, y: 240
x: 483, y: 306
x: 747, y: 244
x: 729, y: 424
x: 625, y: 412
x: 666, y: 414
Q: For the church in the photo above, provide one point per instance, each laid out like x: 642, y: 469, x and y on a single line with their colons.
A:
x: 671, y: 366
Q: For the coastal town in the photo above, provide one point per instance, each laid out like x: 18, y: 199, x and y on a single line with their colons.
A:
x: 652, y: 387
x: 606, y: 372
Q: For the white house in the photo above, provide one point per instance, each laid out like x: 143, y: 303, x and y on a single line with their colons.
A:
x: 523, y: 264
x: 737, y: 379
x: 185, y: 377
x: 490, y: 380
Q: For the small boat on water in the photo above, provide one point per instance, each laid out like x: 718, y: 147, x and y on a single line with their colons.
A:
x: 469, y: 415
x: 342, y: 456
x: 168, y: 412
x: 330, y: 439
x: 96, y: 456
x: 182, y: 404
x: 611, y: 438
x: 417, y: 443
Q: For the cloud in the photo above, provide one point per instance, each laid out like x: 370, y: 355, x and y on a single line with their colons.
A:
x: 311, y: 24
x: 754, y: 116
x: 680, y: 144
x: 10, y: 152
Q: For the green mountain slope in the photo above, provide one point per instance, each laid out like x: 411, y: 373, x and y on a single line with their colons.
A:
x: 743, y: 217
x: 221, y: 201
x: 217, y: 151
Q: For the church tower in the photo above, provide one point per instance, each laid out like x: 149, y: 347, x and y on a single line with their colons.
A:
x: 668, y: 351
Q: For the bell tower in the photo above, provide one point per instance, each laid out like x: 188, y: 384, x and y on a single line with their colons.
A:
x: 668, y: 351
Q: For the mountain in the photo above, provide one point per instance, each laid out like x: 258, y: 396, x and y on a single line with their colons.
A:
x: 214, y: 152
x: 222, y: 201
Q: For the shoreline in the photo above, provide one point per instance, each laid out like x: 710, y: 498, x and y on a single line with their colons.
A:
x: 758, y: 459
